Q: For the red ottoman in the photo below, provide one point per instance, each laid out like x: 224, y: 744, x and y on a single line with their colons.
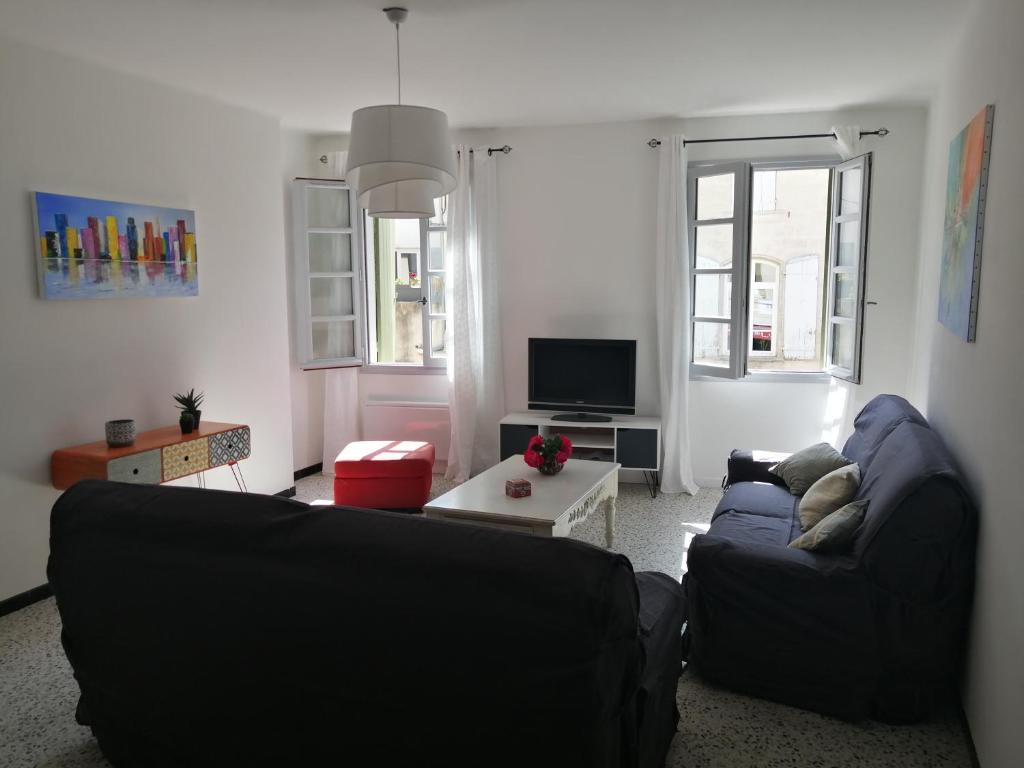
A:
x: 384, y: 474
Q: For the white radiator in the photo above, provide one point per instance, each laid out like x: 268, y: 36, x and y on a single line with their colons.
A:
x: 409, y: 420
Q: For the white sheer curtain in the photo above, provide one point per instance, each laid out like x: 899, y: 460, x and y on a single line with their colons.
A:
x: 476, y: 396
x: 672, y: 297
x: 847, y: 140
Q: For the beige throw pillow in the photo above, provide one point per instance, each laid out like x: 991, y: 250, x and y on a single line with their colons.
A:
x: 834, y: 490
x: 801, y: 470
x: 836, y: 532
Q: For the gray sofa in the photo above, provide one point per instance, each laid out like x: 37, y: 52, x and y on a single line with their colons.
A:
x: 874, y: 632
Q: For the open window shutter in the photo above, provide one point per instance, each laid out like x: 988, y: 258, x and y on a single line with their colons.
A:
x: 847, y: 268
x: 718, y: 219
x: 328, y: 275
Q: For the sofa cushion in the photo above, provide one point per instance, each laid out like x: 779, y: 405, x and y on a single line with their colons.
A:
x: 806, y: 467
x: 385, y: 459
x: 743, y: 528
x: 835, y: 532
x: 834, y: 490
x: 762, y: 499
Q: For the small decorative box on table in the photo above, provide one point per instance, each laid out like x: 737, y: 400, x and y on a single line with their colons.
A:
x: 518, y: 488
x: 156, y: 456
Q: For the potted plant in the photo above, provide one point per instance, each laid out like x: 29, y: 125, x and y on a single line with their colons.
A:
x: 190, y: 404
x: 187, y: 423
x: 548, y: 456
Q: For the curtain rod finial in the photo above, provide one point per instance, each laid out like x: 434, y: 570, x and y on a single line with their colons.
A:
x: 654, y: 143
x: 883, y: 131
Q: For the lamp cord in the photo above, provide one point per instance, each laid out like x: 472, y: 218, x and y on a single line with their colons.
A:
x: 398, y: 58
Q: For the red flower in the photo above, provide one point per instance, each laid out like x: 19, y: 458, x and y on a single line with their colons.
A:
x: 535, y: 443
x: 532, y: 458
x: 561, y: 457
x: 566, y: 446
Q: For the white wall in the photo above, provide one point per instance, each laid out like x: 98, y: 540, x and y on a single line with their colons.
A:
x: 972, y: 391
x: 576, y: 244
x: 68, y: 126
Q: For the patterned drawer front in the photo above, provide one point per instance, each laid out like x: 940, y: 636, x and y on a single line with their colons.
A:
x: 229, y: 446
x: 138, y: 468
x: 185, y: 458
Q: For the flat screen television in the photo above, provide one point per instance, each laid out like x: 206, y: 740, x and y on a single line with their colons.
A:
x: 583, y: 376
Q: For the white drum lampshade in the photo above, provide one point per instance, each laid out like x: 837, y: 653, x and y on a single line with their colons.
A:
x: 398, y: 144
x: 401, y: 200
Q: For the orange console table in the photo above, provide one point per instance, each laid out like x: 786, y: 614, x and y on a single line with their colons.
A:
x: 156, y: 456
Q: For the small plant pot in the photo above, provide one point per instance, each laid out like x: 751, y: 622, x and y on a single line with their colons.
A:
x: 120, y: 432
x: 550, y: 468
x: 187, y: 423
x: 195, y: 418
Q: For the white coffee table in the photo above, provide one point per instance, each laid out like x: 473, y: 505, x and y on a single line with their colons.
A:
x: 558, y: 502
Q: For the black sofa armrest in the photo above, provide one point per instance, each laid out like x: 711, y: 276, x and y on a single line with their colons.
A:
x: 752, y: 467
x: 759, y: 614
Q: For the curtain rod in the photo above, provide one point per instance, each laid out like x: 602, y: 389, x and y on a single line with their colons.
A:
x: 655, y: 143
x: 490, y: 151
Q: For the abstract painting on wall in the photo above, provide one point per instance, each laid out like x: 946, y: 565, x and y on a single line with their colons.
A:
x: 966, y: 185
x: 100, y: 249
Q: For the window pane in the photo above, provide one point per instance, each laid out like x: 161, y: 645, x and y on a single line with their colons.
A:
x: 407, y: 268
x: 326, y: 207
x: 850, y: 189
x: 408, y: 332
x: 436, y: 294
x: 843, y: 337
x: 762, y: 198
x: 712, y: 295
x: 711, y: 344
x: 715, y: 196
x: 764, y: 335
x: 440, y: 217
x: 437, y: 345
x: 848, y: 245
x: 436, y: 254
x: 330, y: 296
x: 333, y: 339
x: 714, y: 247
x: 845, y: 295
x: 330, y: 252
x: 788, y: 250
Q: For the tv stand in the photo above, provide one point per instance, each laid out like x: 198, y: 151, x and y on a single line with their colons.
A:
x: 582, y: 417
x: 634, y: 442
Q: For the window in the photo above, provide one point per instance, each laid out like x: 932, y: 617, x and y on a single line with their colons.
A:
x: 793, y: 235
x: 407, y: 318
x: 327, y: 279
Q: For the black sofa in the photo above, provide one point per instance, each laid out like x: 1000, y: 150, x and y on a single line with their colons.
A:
x: 208, y: 628
x: 876, y: 632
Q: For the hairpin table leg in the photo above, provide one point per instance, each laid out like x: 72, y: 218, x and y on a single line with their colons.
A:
x: 236, y: 472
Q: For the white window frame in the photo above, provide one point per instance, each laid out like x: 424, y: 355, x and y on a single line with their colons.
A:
x: 859, y: 268
x: 432, y: 364
x: 740, y: 235
x: 302, y: 277
x: 740, y: 319
x: 430, y: 360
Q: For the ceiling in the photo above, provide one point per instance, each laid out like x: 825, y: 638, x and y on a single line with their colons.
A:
x: 491, y: 63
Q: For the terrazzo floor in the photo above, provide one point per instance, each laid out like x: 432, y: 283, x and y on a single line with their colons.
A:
x: 718, y: 728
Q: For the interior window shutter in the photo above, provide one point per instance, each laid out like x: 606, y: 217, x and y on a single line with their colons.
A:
x: 718, y: 216
x: 847, y: 268
x: 329, y: 285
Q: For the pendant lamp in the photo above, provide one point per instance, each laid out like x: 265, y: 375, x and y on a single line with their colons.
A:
x: 400, y: 156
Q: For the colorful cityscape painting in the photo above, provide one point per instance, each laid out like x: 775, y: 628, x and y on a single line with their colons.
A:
x: 966, y: 184
x: 100, y: 249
